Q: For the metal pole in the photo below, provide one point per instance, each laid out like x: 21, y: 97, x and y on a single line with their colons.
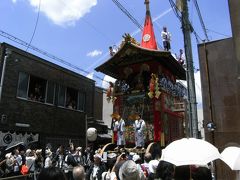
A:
x: 192, y: 104
x: 214, y: 169
x: 86, y: 127
x: 7, y: 53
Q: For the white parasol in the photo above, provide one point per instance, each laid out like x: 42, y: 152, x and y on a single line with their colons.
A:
x: 190, y: 151
x: 231, y: 156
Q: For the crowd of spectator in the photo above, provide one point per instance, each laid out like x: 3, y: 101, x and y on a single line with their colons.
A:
x: 78, y: 164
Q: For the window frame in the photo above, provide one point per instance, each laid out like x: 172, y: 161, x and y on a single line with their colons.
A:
x: 28, y: 80
x: 54, y: 92
x: 81, y: 95
x: 64, y: 103
x: 84, y: 102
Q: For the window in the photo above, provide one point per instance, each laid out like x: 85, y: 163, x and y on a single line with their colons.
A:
x: 61, y: 96
x: 22, y: 85
x: 81, y: 101
x: 37, y: 89
x: 50, y: 93
x: 72, y: 98
x: 31, y: 87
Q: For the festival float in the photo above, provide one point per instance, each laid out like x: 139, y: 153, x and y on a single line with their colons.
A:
x: 146, y: 83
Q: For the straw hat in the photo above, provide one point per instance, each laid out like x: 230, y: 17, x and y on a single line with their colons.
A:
x: 8, y: 155
x: 115, y: 116
x: 79, y: 148
x: 136, y: 116
x: 38, y: 151
x: 112, y: 155
x: 136, y: 157
x: 28, y: 151
x: 48, y: 152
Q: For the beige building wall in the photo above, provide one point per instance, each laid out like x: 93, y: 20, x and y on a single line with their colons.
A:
x: 221, y: 97
x: 234, y: 7
x: 220, y: 77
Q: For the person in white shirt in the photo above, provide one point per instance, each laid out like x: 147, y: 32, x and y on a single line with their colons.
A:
x: 145, y: 165
x: 48, y: 160
x: 60, y: 157
x: 181, y: 58
x: 166, y: 38
x: 139, y: 127
x: 119, y: 126
x: 30, y: 162
x: 96, y: 169
x: 17, y: 162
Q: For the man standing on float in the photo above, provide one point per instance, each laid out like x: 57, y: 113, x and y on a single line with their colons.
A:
x: 139, y: 127
x: 119, y: 126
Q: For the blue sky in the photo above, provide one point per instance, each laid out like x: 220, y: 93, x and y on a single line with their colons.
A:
x: 80, y: 31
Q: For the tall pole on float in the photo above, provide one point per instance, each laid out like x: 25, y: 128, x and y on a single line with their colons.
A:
x: 192, y: 104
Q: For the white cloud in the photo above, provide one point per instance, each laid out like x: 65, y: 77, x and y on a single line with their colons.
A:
x: 94, y: 53
x: 62, y: 12
x: 14, y: 1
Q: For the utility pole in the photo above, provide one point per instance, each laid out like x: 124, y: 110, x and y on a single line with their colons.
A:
x: 192, y: 105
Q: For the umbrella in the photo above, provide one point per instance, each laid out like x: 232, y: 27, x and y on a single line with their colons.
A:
x: 14, y: 145
x: 231, y: 156
x: 190, y: 151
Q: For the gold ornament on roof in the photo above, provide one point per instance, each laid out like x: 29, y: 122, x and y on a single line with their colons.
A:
x: 128, y: 38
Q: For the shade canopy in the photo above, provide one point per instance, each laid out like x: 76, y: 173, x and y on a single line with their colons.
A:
x: 231, y: 156
x: 190, y: 151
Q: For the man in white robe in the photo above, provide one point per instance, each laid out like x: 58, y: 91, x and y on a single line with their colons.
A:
x: 139, y: 127
x: 121, y: 133
x: 119, y: 126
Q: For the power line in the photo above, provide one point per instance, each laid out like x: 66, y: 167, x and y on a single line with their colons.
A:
x: 94, y: 27
x: 39, y: 5
x: 179, y: 16
x: 201, y: 19
x: 218, y: 33
x: 175, y: 10
x: 45, y: 53
x: 127, y: 13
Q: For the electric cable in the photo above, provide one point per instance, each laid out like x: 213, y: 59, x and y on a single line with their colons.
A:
x: 228, y: 36
x: 94, y: 28
x: 127, y: 13
x: 35, y: 27
x: 201, y: 19
x: 178, y: 15
x: 45, y: 53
